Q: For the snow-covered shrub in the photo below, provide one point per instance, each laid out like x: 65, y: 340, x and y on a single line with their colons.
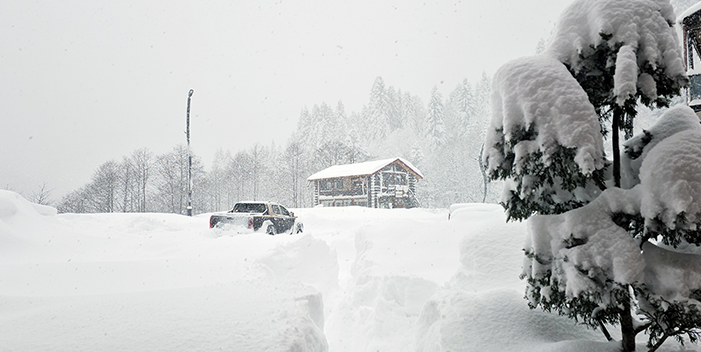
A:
x: 586, y: 262
x: 598, y: 257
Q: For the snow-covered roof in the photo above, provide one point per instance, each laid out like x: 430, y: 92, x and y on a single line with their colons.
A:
x: 690, y: 11
x: 362, y: 169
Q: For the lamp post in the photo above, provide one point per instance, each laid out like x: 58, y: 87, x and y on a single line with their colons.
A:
x: 189, y: 157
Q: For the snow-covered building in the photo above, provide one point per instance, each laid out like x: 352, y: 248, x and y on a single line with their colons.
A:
x: 690, y: 21
x: 387, y: 183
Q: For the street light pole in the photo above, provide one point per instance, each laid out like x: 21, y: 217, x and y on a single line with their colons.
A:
x: 189, y: 158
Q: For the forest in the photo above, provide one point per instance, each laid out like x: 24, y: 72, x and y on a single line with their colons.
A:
x: 443, y: 138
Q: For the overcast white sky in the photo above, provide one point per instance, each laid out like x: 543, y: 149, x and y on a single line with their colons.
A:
x: 83, y: 82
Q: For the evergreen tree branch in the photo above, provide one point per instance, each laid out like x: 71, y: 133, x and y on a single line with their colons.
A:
x: 658, y: 344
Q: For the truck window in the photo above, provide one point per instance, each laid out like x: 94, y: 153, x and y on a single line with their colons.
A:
x: 276, y: 209
x: 284, y: 211
x: 249, y: 208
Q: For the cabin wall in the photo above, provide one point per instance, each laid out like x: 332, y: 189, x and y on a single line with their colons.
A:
x: 343, y: 191
x: 374, y: 190
x: 316, y: 192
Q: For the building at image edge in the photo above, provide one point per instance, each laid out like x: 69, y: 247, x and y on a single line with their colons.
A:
x: 388, y: 183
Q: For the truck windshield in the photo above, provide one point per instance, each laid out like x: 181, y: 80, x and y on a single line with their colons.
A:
x: 249, y: 208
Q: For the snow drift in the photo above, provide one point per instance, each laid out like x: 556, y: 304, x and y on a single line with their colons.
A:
x: 358, y: 280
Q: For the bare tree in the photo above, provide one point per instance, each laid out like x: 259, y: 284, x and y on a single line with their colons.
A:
x: 102, y: 191
x: 172, y: 179
x: 142, y: 160
x: 42, y: 196
x: 258, y: 168
x: 127, y: 186
x: 293, y: 161
x: 74, y: 202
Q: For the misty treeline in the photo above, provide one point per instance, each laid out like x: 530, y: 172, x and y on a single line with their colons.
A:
x: 443, y: 138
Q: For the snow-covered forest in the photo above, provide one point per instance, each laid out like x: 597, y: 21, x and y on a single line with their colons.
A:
x: 443, y: 137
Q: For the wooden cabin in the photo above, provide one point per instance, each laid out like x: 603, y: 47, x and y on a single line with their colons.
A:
x: 389, y: 183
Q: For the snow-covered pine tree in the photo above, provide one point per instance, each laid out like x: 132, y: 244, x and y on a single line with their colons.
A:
x: 394, y: 102
x: 342, y: 118
x: 466, y: 106
x: 412, y: 111
x: 603, y: 253
x: 328, y: 124
x: 305, y: 130
x: 435, y: 127
x: 482, y: 94
x: 379, y: 107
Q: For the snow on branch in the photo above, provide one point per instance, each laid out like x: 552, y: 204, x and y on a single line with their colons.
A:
x: 642, y: 33
x: 670, y: 177
x: 542, y: 122
x: 672, y: 275
x: 587, y: 252
x: 579, y: 261
x: 539, y: 94
x: 677, y: 119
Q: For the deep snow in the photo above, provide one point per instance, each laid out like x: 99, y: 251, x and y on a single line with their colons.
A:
x: 357, y: 280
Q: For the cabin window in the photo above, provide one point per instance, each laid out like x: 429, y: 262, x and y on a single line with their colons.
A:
x: 393, y: 179
x: 331, y: 185
x: 695, y: 86
x: 358, y: 186
x: 325, y: 185
x: 361, y: 203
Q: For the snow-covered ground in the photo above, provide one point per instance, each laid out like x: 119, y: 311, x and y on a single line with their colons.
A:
x: 357, y: 280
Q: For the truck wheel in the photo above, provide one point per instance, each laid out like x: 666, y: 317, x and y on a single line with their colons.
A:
x: 270, y: 230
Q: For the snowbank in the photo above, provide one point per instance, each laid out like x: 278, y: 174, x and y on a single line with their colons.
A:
x: 481, y: 308
x: 357, y: 280
x: 145, y: 282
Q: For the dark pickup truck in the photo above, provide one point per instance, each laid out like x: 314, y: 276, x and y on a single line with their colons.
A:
x: 273, y: 218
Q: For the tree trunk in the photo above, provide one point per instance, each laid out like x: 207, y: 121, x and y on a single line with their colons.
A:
x: 485, y: 178
x: 627, y: 328
x: 617, y: 114
x: 626, y: 319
